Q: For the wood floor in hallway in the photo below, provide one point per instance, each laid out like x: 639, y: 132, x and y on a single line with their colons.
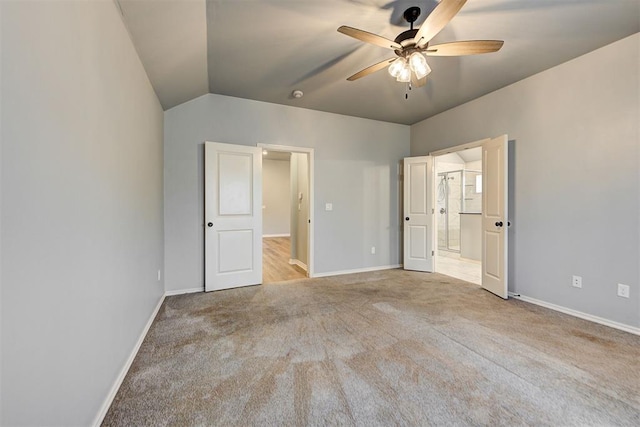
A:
x: 276, y: 252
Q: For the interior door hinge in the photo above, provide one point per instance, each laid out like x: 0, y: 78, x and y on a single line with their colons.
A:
x: 432, y: 210
x: 433, y: 253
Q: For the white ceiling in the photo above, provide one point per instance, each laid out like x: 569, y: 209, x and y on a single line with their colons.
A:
x: 264, y: 49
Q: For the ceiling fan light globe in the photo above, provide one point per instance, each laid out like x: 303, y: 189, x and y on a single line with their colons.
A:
x: 418, y: 64
x: 405, y: 74
x: 422, y: 72
x: 396, y: 66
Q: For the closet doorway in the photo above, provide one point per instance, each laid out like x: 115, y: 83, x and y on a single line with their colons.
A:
x: 286, y: 213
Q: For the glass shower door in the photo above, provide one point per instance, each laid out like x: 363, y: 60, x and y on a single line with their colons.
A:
x: 449, y: 206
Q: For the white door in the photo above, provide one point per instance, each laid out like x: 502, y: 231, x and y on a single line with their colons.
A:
x: 495, y: 216
x: 233, y: 216
x: 418, y: 213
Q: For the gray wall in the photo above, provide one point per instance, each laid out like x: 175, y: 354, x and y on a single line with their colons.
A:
x: 575, y: 176
x: 82, y: 226
x: 355, y: 169
x: 275, y: 197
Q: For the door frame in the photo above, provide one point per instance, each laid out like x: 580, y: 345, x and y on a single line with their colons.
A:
x: 310, y: 156
x: 435, y: 154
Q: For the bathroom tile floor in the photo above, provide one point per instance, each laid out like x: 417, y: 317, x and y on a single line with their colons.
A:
x: 451, y: 264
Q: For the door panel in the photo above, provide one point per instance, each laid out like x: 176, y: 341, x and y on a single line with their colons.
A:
x: 417, y: 237
x: 492, y: 254
x: 235, y: 251
x: 233, y: 217
x: 418, y: 185
x: 418, y: 217
x: 495, y: 216
x: 235, y: 176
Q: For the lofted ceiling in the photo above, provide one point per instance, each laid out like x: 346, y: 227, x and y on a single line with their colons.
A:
x: 265, y: 49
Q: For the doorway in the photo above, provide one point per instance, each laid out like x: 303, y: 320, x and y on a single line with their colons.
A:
x: 458, y: 192
x: 490, y: 191
x: 286, y: 213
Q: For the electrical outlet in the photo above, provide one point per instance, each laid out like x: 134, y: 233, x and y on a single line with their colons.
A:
x: 159, y: 275
x: 576, y: 281
x: 373, y: 250
x: 623, y: 290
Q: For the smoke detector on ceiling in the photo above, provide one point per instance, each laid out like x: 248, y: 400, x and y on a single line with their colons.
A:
x: 297, y: 94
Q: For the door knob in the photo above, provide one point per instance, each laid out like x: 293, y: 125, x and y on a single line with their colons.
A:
x: 499, y: 224
x: 209, y: 224
x: 406, y: 219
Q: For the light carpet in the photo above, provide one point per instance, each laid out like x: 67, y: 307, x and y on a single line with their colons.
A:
x: 385, y: 348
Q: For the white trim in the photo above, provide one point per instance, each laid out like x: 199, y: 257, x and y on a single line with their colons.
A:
x: 183, y: 291
x: 299, y: 263
x: 311, y: 156
x: 358, y: 270
x: 123, y: 372
x: 606, y: 322
x: 461, y: 147
x: 276, y: 235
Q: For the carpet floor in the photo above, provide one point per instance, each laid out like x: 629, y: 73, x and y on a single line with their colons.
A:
x: 384, y: 348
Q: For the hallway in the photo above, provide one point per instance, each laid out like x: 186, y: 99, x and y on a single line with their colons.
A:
x: 276, y: 252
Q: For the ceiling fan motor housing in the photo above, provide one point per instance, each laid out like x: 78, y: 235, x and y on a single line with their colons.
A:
x: 406, y: 39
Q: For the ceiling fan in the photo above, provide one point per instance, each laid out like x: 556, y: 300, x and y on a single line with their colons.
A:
x: 412, y: 45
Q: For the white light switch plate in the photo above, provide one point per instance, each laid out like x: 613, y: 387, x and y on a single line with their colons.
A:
x: 328, y: 206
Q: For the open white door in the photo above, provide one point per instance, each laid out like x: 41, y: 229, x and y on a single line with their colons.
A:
x: 233, y: 216
x: 495, y: 216
x: 418, y: 213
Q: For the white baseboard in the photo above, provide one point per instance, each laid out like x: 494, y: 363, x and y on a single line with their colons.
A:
x: 357, y: 270
x: 183, y: 291
x: 581, y: 315
x: 276, y: 235
x: 123, y: 372
x: 299, y: 263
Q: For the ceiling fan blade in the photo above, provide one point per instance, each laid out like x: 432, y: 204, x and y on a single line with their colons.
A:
x: 436, y: 21
x: 469, y: 47
x: 372, y: 69
x: 369, y: 37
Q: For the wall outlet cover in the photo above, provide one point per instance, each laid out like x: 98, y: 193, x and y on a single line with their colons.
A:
x: 623, y: 290
x: 576, y: 281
